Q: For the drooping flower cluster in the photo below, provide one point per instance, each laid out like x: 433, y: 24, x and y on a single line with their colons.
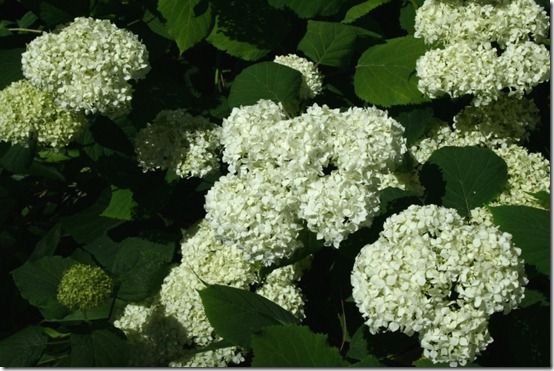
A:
x: 29, y: 114
x: 178, y: 141
x: 312, y: 80
x: 483, y: 47
x: 432, y: 273
x: 322, y: 167
x: 84, y: 287
x: 171, y: 328
x: 87, y: 66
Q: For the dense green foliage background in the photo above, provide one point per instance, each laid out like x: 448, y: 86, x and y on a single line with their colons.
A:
x: 92, y: 203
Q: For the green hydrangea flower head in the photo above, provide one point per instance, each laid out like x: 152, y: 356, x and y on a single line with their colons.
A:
x: 84, y: 287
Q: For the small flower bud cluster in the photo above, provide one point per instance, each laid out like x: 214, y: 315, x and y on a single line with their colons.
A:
x: 179, y: 141
x: 430, y: 272
x: 84, y: 287
x: 322, y: 167
x: 483, y: 48
x: 87, y: 66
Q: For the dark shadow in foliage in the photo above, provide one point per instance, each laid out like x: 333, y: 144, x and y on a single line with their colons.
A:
x: 521, y: 339
x: 251, y: 21
x: 432, y: 179
x: 106, y: 133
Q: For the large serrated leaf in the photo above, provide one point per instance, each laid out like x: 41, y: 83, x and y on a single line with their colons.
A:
x: 330, y: 43
x: 385, y: 74
x: 236, y: 314
x: 100, y: 348
x: 293, y: 346
x: 24, y: 348
x: 188, y: 21
x: 38, y: 282
x: 359, y: 10
x: 48, y: 243
x: 416, y: 122
x: 266, y: 80
x: 472, y: 177
x: 140, y: 266
x: 530, y: 229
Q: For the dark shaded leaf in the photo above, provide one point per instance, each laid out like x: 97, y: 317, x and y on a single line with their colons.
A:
x: 473, y: 176
x: 293, y: 346
x: 530, y: 229
x: 24, y: 348
x: 236, y: 314
x: 100, y: 348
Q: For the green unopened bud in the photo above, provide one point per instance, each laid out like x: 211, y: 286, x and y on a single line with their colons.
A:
x: 84, y: 287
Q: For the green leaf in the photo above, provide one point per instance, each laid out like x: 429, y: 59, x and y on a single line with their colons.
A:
x: 309, y: 8
x: 407, y: 15
x: 385, y: 74
x: 358, y: 348
x: 140, y: 265
x: 368, y: 361
x: 188, y: 21
x: 38, y: 281
x: 330, y: 43
x: 104, y: 250
x: 416, y: 122
x: 293, y: 346
x: 543, y: 197
x: 100, y: 348
x: 266, y: 80
x: 359, y: 10
x: 236, y: 314
x: 246, y: 29
x: 530, y: 229
x: 27, y: 20
x: 155, y: 24
x: 48, y: 243
x: 473, y: 176
x: 533, y: 297
x: 18, y: 159
x: 24, y: 348
x: 121, y: 205
x: 10, y: 65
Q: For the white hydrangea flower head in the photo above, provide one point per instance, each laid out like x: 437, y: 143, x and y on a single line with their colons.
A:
x: 177, y: 140
x: 222, y: 357
x: 337, y: 205
x: 458, y: 69
x: 366, y: 140
x: 29, y: 113
x: 154, y: 339
x: 280, y: 287
x: 402, y: 180
x: 312, y: 80
x: 428, y: 258
x: 456, y: 336
x: 88, y: 65
x: 527, y: 173
x: 255, y: 213
x: 523, y: 66
x: 204, y: 258
x: 300, y: 146
x: 505, y: 22
x: 507, y: 118
x: 244, y: 134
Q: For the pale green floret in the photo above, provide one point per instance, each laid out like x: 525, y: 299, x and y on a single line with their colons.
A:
x: 30, y: 114
x: 178, y: 141
x: 84, y: 287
